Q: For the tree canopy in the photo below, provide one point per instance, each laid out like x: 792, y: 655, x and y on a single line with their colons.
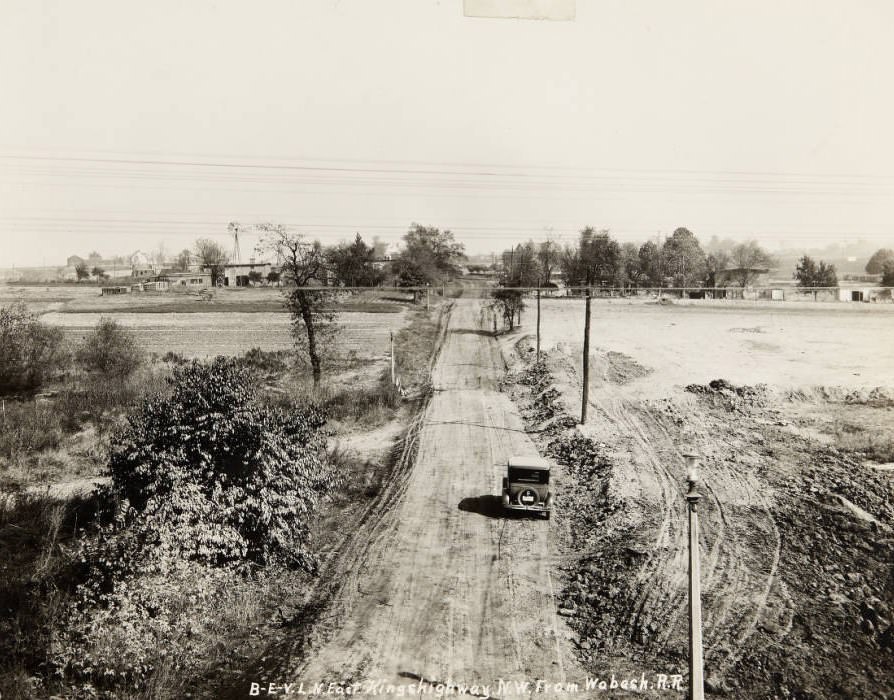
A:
x: 683, y: 259
x: 430, y: 256
x: 746, y: 262
x: 877, y: 261
x: 810, y: 274
x: 352, y: 263
x: 888, y: 273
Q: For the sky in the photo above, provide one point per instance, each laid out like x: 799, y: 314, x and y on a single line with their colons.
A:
x: 128, y: 126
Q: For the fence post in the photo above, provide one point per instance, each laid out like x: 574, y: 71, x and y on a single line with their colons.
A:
x: 392, y: 357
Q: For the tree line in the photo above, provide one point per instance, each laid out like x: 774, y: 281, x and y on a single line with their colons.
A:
x: 598, y: 260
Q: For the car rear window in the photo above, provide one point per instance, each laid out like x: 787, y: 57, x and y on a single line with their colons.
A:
x: 519, y: 475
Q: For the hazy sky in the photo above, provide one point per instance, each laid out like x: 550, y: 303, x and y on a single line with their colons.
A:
x: 124, y: 125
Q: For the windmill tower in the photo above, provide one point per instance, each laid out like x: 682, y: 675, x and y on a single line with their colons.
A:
x: 234, y: 229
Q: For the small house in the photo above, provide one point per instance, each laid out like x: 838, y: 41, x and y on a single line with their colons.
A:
x: 238, y: 274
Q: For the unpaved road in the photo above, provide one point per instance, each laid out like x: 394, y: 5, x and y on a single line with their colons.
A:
x: 446, y: 589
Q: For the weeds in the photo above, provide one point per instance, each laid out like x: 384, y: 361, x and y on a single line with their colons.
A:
x: 40, y: 572
x: 27, y: 427
x: 853, y: 437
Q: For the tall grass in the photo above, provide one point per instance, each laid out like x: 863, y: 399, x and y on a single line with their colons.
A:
x: 369, y: 405
x: 29, y: 426
x: 41, y: 437
x: 36, y: 582
x: 867, y: 442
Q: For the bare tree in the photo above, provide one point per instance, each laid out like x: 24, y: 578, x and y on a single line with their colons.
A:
x: 183, y: 260
x: 302, y: 264
x: 548, y: 255
x: 212, y: 255
x: 749, y: 261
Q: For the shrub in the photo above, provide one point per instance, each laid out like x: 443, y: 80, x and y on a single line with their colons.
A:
x: 212, y: 474
x: 174, y: 358
x: 30, y: 351
x: 110, y: 350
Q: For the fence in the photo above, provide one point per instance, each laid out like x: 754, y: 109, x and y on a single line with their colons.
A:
x: 845, y: 293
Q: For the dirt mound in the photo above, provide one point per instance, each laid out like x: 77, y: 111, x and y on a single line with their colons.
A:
x: 877, y: 397
x: 623, y: 368
x: 733, y: 398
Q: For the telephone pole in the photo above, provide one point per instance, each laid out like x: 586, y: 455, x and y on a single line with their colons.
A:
x: 586, y: 373
x: 696, y: 662
x: 538, y: 324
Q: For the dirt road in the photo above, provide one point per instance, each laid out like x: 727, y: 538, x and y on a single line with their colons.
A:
x: 446, y: 589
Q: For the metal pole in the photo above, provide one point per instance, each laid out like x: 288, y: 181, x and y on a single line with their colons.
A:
x: 586, y: 374
x: 696, y: 680
x: 538, y: 325
x: 392, y: 357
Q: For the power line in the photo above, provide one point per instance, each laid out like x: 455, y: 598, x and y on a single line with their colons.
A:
x: 217, y: 160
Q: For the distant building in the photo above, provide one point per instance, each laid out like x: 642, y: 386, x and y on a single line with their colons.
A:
x: 188, y: 280
x: 237, y: 274
x: 74, y: 261
x: 142, y: 272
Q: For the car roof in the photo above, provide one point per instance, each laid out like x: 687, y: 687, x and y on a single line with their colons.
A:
x: 532, y: 462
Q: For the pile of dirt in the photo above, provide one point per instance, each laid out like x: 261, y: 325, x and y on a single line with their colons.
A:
x: 877, y: 397
x: 734, y: 399
x: 835, y: 519
x: 623, y: 368
x: 543, y: 412
x: 603, y: 602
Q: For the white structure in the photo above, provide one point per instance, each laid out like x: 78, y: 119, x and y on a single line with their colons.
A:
x: 237, y: 274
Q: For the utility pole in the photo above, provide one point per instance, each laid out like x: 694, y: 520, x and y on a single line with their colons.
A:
x: 696, y: 664
x: 538, y: 324
x: 586, y: 374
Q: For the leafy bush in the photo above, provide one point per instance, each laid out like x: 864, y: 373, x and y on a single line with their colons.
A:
x: 110, y: 350
x: 207, y: 483
x: 212, y: 474
x: 30, y: 351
